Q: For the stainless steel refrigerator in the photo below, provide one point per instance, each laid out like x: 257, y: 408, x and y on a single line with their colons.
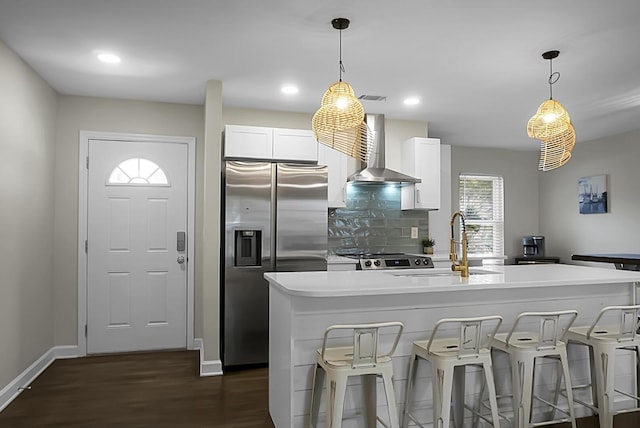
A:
x: 275, y: 217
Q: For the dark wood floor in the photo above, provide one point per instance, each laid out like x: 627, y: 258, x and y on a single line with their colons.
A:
x: 157, y: 390
x: 140, y: 390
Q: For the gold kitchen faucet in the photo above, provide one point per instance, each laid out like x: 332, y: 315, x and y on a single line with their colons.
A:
x: 461, y: 266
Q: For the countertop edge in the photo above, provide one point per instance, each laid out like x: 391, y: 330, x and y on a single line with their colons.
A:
x: 394, y: 285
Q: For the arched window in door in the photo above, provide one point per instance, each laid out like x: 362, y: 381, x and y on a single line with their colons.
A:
x: 138, y: 171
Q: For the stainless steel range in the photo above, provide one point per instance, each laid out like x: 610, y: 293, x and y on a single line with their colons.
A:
x: 390, y: 261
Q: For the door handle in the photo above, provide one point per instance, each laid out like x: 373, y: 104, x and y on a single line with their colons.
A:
x: 180, y: 260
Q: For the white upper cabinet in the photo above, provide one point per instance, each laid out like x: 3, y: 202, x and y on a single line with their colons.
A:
x: 294, y: 144
x: 421, y: 159
x: 257, y: 142
x: 252, y: 142
x: 337, y: 165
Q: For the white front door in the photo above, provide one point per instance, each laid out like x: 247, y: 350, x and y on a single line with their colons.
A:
x: 136, y: 254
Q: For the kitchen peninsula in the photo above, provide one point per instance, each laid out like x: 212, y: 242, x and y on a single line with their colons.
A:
x: 303, y: 305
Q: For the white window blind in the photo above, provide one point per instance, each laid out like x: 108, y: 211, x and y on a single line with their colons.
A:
x: 482, y: 202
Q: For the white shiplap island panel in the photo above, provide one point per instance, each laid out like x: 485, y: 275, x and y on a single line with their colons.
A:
x: 303, y: 305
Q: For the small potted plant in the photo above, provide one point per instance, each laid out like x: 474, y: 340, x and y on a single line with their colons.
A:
x: 427, y: 244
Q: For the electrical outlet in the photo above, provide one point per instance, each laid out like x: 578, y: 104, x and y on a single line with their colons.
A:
x: 414, y: 233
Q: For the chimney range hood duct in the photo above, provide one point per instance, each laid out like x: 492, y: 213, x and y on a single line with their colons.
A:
x: 375, y: 172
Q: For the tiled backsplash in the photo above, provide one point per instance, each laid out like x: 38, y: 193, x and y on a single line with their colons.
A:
x: 372, y: 222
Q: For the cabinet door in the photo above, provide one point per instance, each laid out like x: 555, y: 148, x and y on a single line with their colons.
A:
x: 294, y: 144
x: 248, y: 142
x: 337, y: 165
x: 428, y: 169
x: 421, y: 159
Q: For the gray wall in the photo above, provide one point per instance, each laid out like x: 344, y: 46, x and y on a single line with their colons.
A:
x: 568, y: 232
x: 520, y: 172
x: 27, y: 155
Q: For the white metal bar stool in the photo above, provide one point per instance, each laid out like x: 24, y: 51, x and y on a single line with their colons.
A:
x: 615, y: 328
x: 469, y: 347
x: 524, y: 347
x: 361, y: 357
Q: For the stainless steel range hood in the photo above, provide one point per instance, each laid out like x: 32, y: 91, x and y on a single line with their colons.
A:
x: 375, y: 172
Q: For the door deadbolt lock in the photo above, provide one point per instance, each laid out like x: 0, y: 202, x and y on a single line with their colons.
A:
x: 180, y: 259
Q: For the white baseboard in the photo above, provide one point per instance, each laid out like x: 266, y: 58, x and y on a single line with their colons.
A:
x: 24, y: 379
x: 207, y: 368
x: 67, y: 351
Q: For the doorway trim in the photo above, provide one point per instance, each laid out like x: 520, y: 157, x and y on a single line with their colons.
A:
x: 83, y: 178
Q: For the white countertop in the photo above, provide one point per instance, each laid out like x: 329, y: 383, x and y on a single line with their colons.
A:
x: 404, y: 281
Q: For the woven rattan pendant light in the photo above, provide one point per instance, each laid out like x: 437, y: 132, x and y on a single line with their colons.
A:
x: 339, y: 122
x: 552, y: 126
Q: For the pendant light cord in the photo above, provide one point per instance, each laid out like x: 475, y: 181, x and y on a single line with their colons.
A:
x: 340, y: 24
x: 553, y: 78
x: 341, y: 64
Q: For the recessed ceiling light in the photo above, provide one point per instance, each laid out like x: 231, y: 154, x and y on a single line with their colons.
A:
x: 109, y: 58
x: 411, y: 101
x: 289, y: 89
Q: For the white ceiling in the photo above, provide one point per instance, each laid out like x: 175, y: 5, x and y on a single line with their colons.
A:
x: 476, y: 65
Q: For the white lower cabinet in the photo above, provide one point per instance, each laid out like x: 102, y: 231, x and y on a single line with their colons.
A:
x: 258, y: 142
x: 421, y: 159
x: 337, y: 175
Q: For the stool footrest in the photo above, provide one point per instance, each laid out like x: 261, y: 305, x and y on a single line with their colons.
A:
x: 579, y: 401
x: 480, y: 415
x: 414, y: 420
x: 548, y: 403
x: 635, y: 397
x: 590, y: 406
x: 628, y: 411
x: 557, y: 421
x: 381, y: 422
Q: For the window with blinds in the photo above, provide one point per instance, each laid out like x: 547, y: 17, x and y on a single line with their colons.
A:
x: 482, y: 202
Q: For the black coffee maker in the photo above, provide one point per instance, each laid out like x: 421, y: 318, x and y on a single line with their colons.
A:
x: 533, y: 246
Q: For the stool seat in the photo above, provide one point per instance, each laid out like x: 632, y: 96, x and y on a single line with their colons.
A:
x: 615, y: 328
x: 342, y: 357
x: 360, y: 358
x: 609, y: 334
x: 446, y: 355
x: 446, y: 348
x: 521, y: 340
x: 524, y: 345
